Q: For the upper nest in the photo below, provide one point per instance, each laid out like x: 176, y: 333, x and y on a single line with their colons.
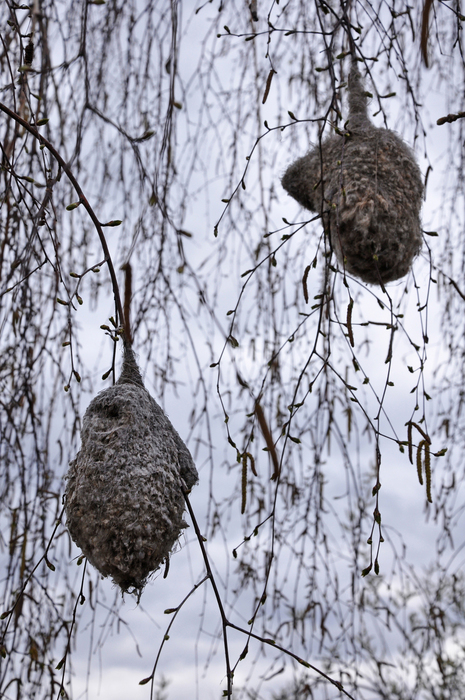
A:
x: 368, y: 189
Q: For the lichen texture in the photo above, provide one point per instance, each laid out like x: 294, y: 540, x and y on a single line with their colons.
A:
x: 367, y: 186
x: 124, y: 501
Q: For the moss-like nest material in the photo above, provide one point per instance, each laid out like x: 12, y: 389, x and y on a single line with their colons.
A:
x: 367, y: 187
x: 124, y: 501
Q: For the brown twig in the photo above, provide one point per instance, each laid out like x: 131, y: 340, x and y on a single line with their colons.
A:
x: 127, y: 301
x: 425, y: 31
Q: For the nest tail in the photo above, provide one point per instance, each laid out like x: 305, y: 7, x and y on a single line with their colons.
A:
x: 130, y: 373
x: 358, y: 101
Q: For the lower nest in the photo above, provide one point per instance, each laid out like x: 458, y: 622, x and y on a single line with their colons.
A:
x: 124, y: 497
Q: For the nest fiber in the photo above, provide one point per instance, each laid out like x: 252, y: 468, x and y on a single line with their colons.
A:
x: 124, y: 501
x: 367, y: 187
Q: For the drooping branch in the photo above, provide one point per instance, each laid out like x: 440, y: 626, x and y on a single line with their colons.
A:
x: 82, y: 200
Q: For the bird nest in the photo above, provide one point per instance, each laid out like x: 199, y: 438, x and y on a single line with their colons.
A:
x: 367, y: 186
x: 124, y: 496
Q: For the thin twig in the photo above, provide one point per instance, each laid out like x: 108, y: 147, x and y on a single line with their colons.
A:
x: 216, y: 592
x: 226, y: 623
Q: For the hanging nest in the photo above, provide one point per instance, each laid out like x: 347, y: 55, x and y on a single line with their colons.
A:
x: 124, y: 503
x: 367, y: 186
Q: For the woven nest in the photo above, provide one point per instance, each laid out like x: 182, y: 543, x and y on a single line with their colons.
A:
x: 368, y: 189
x: 124, y: 502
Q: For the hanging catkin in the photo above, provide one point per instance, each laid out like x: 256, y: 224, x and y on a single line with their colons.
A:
x: 367, y: 186
x: 124, y: 502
